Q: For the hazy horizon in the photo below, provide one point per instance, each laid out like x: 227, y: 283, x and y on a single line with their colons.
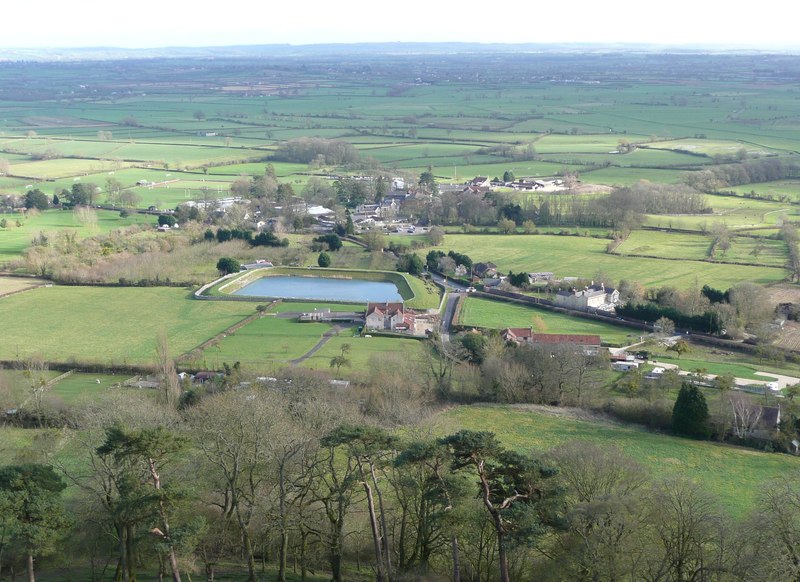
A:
x: 158, y: 25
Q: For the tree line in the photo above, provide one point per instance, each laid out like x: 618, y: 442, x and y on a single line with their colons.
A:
x: 293, y: 475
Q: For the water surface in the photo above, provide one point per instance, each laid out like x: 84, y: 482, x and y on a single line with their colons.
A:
x: 322, y: 289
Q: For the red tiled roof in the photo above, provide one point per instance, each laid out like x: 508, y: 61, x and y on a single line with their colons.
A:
x: 384, y: 308
x: 564, y: 338
x: 518, y: 332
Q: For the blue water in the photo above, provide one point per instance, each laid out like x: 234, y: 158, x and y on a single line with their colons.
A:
x: 319, y: 288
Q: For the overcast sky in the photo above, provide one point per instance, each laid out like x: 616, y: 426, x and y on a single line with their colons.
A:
x: 160, y: 23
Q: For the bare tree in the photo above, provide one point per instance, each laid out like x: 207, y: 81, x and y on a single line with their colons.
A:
x: 746, y: 415
x: 592, y: 471
x: 35, y: 372
x: 685, y: 534
x: 233, y: 430
x: 774, y: 531
x: 167, y: 374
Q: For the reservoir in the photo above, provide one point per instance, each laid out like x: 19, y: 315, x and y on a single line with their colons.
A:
x: 322, y: 289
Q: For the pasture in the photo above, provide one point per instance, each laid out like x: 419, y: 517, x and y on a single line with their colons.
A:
x: 364, y: 352
x: 15, y: 239
x: 266, y: 343
x: 586, y: 257
x: 672, y: 245
x: 499, y: 315
x: 16, y: 284
x: 735, y: 475
x: 109, y: 325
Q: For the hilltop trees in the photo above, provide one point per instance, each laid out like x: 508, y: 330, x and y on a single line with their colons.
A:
x: 31, y: 509
x: 147, y: 451
x: 514, y: 488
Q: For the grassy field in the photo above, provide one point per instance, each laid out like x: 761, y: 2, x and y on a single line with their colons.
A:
x: 586, y: 257
x: 362, y: 350
x: 78, y: 386
x: 109, y: 325
x: 14, y: 284
x: 264, y: 344
x: 736, y: 212
x: 15, y: 239
x: 270, y: 343
x: 696, y: 247
x: 499, y: 315
x: 734, y: 475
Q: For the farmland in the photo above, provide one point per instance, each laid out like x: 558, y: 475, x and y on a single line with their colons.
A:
x: 498, y: 315
x: 734, y: 475
x: 586, y: 257
x: 15, y: 239
x: 109, y: 325
x: 660, y: 170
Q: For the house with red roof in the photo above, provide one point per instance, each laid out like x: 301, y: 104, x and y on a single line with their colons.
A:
x: 525, y: 336
x: 389, y: 316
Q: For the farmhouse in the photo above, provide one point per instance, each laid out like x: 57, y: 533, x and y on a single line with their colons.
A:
x: 525, y: 335
x: 389, y: 316
x: 540, y: 276
x: 624, y: 366
x: 480, y: 182
x: 483, y: 270
x: 589, y: 298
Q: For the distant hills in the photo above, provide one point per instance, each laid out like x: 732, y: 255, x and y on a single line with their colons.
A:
x: 390, y: 48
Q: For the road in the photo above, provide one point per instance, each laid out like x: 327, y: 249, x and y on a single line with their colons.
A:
x: 456, y: 291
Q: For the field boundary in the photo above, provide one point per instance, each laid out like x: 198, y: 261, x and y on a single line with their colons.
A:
x: 197, y: 350
x: 58, y: 379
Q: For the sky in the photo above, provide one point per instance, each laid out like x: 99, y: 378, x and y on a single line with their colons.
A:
x: 768, y: 24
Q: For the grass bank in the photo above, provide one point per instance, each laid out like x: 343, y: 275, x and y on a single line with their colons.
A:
x: 734, y: 475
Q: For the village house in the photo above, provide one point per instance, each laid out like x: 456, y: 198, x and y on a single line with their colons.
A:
x: 589, y: 298
x: 389, y: 316
x: 483, y: 270
x: 479, y: 182
x: 540, y: 276
x: 525, y: 335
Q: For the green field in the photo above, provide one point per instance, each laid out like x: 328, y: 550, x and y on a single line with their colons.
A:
x: 78, y: 386
x: 735, y: 475
x: 109, y: 325
x: 499, y: 315
x: 15, y: 239
x: 696, y: 247
x: 362, y: 351
x: 266, y: 343
x: 14, y: 284
x: 586, y: 257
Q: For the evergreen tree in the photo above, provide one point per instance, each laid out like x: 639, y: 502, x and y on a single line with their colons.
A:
x: 32, y: 502
x: 690, y: 413
x: 227, y: 265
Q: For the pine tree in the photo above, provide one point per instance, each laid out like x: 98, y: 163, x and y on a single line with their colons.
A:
x: 690, y: 413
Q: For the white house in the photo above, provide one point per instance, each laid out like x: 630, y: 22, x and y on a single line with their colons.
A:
x: 588, y: 298
x: 389, y: 316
